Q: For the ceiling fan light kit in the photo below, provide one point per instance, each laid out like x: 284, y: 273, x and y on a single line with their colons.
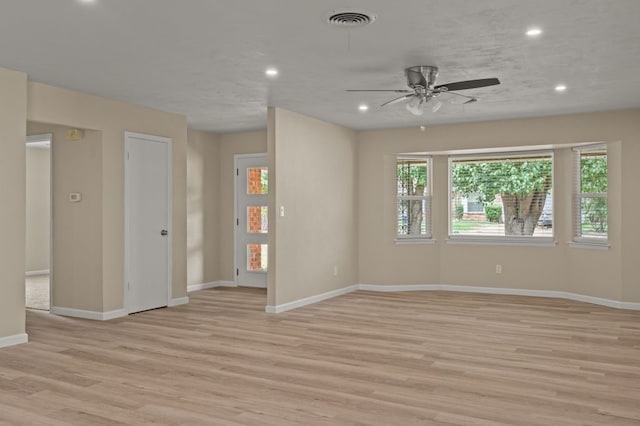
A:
x: 414, y: 106
x: 421, y: 80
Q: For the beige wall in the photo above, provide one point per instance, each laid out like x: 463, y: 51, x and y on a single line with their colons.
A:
x: 316, y: 182
x: 38, y: 208
x: 203, y: 207
x: 597, y: 273
x: 232, y: 144
x: 49, y: 104
x: 630, y: 176
x: 13, y: 118
x: 77, y: 238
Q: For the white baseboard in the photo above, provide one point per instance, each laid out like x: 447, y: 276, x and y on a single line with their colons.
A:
x: 505, y: 291
x: 92, y: 315
x: 118, y: 313
x: 17, y: 339
x: 179, y: 301
x: 276, y: 309
x: 32, y: 273
x: 213, y: 284
x: 271, y: 309
x: 604, y: 302
x: 252, y: 285
x: 393, y: 288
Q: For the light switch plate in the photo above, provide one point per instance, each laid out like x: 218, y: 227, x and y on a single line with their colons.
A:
x: 75, y: 197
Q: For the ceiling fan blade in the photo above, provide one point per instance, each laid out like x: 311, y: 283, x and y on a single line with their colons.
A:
x: 381, y: 90
x: 468, y: 84
x: 400, y: 99
x: 469, y: 99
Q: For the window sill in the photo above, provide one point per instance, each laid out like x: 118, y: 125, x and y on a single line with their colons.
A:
x: 414, y: 241
x: 537, y: 242
x: 595, y: 245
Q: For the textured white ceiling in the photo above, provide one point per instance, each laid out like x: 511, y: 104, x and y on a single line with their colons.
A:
x: 206, y: 58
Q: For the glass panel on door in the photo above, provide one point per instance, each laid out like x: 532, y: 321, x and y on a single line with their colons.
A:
x: 257, y: 220
x: 257, y: 257
x: 257, y: 181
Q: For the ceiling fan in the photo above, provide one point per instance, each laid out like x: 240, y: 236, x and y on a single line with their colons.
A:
x: 421, y: 81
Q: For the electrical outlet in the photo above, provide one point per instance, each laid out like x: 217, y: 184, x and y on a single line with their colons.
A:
x: 498, y: 269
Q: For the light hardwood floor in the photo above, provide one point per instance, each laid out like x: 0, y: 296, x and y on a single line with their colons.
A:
x: 421, y: 358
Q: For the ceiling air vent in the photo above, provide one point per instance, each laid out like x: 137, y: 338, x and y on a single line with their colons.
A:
x: 350, y: 18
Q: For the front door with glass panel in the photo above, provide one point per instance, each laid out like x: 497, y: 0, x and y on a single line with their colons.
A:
x: 252, y: 187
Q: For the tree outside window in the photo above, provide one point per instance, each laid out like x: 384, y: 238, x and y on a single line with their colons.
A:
x: 591, y: 202
x: 520, y: 183
x: 413, y: 186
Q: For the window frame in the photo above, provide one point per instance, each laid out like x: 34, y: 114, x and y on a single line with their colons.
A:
x: 500, y: 239
x: 578, y: 239
x: 427, y: 198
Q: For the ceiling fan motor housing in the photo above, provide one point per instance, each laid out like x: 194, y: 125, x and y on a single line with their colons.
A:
x: 421, y: 76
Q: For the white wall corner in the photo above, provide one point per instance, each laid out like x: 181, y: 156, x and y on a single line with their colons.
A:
x: 17, y: 339
x: 91, y: 315
x: 276, y: 309
x: 118, y: 313
x: 179, y: 301
x: 213, y: 284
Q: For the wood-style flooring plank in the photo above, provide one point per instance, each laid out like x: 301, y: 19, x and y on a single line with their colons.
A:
x: 420, y: 358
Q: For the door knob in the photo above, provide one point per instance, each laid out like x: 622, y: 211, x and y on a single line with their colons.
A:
x: 164, y: 232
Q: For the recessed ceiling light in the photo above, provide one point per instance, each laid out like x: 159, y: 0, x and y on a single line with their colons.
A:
x: 363, y: 107
x: 561, y: 88
x: 87, y: 1
x: 271, y: 72
x: 534, y: 32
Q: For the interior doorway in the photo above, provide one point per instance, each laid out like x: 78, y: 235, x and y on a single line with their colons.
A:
x: 38, y: 253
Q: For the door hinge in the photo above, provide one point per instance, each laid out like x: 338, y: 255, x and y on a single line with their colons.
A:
x: 127, y: 155
x: 237, y: 272
x: 237, y: 172
x: 237, y: 222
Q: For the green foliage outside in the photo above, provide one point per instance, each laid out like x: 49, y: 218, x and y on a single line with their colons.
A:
x: 493, y: 213
x: 264, y: 181
x: 411, y: 177
x: 593, y: 169
x: 468, y: 225
x: 488, y: 179
x: 523, y: 185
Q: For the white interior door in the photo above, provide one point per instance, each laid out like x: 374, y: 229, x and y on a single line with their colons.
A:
x: 147, y: 227
x: 252, y: 177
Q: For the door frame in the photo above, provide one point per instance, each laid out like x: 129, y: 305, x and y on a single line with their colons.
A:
x: 129, y: 138
x: 47, y: 137
x: 236, y: 225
